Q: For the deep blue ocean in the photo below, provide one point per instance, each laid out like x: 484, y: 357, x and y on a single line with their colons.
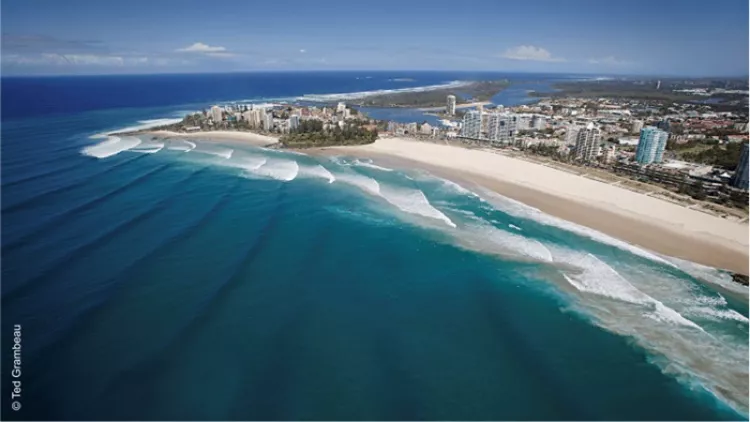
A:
x: 190, y: 280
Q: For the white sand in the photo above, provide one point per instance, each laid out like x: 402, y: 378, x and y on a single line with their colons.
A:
x: 705, y: 227
x: 249, y: 137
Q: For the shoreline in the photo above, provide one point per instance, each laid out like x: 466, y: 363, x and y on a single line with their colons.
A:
x: 251, y: 138
x: 647, y: 222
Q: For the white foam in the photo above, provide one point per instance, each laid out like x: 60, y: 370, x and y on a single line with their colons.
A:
x: 251, y: 162
x: 342, y: 161
x: 219, y: 152
x: 317, y: 171
x: 511, y: 243
x: 181, y: 145
x: 363, y: 94
x: 596, y: 277
x: 365, y: 183
x: 371, y: 165
x: 414, y: 202
x: 512, y: 226
x: 710, y: 275
x: 148, y: 150
x: 456, y: 187
x: 717, y: 314
x: 144, y: 124
x: 519, y: 209
x: 112, y: 146
x: 285, y: 170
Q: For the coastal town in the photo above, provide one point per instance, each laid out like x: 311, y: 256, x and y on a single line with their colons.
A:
x: 682, y: 152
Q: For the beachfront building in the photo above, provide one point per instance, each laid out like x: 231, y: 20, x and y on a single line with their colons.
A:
x: 472, y: 124
x: 587, y: 143
x: 426, y: 129
x: 216, y: 114
x: 340, y: 107
x: 651, y: 145
x: 636, y: 126
x: 450, y: 107
x: 538, y: 123
x: 571, y: 134
x: 741, y: 173
x: 267, y: 122
x: 501, y: 127
x: 293, y: 122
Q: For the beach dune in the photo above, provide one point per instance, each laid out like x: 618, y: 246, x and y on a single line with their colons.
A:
x: 642, y: 220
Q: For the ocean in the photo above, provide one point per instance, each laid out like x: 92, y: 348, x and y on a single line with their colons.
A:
x: 186, y: 279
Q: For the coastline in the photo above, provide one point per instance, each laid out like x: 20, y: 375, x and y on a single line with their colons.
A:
x: 251, y: 138
x: 651, y: 223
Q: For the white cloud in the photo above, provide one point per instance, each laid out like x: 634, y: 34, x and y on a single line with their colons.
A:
x: 199, y: 47
x: 303, y: 51
x: 610, y: 61
x: 222, y: 55
x: 530, y: 53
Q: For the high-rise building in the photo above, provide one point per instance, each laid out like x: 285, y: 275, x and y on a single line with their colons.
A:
x: 216, y: 114
x: 450, y: 107
x: 587, y: 143
x: 501, y: 127
x: 636, y: 126
x: 538, y: 122
x: 658, y: 84
x: 293, y: 122
x: 571, y: 134
x: 472, y: 124
x: 340, y: 107
x: 267, y: 122
x: 741, y: 173
x: 651, y: 145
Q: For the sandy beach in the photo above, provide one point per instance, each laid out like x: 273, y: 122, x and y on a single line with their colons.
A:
x: 220, y: 135
x: 648, y: 222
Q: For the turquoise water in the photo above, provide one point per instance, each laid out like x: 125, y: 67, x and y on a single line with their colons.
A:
x: 185, y: 279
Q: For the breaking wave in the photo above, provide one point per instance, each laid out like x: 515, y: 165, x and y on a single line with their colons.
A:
x: 112, y: 146
x: 225, y: 153
x: 369, y: 164
x: 284, y: 170
x: 181, y: 145
x: 596, y: 277
x: 364, y: 183
x: 413, y: 201
x: 317, y: 171
x: 144, y: 124
x: 521, y: 210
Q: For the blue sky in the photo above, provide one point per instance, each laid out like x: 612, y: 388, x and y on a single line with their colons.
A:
x: 664, y: 37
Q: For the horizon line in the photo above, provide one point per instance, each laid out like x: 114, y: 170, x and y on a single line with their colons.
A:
x: 251, y: 71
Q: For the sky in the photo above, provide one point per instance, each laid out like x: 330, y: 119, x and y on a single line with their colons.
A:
x: 650, y: 37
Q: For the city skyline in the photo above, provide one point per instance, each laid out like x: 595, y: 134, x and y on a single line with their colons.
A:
x: 637, y: 38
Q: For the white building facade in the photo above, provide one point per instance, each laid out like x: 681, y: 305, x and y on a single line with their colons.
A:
x: 216, y: 114
x: 450, y: 107
x: 587, y: 143
x: 472, y: 125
